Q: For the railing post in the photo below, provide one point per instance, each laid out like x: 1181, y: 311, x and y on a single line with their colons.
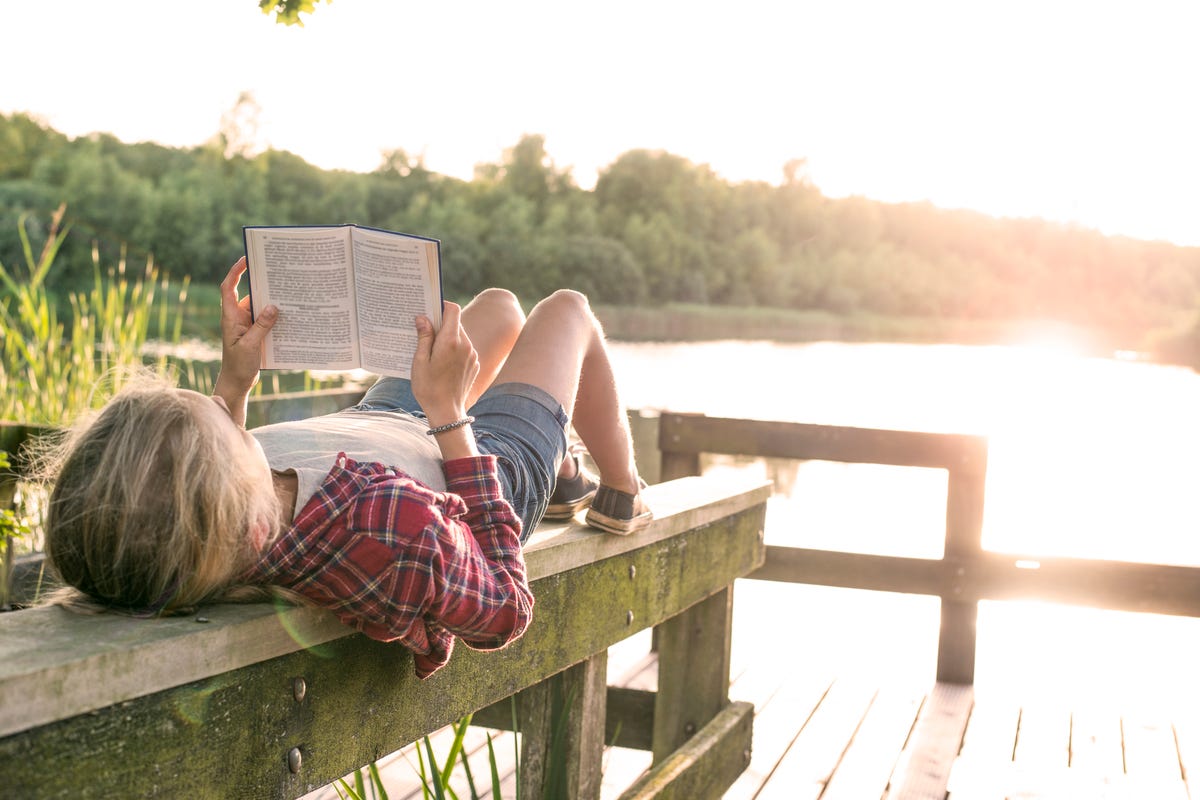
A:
x: 693, y: 671
x: 676, y: 463
x: 963, y: 552
x: 574, y: 699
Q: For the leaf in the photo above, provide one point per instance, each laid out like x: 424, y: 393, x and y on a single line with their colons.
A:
x: 460, y: 730
x: 437, y: 785
x: 495, y: 770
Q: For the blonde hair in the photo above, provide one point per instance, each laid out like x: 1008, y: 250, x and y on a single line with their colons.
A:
x: 149, y: 512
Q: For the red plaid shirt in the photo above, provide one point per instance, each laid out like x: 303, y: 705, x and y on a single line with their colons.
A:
x: 397, y: 560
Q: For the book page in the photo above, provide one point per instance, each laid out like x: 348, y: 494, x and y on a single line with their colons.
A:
x: 398, y: 277
x: 306, y: 272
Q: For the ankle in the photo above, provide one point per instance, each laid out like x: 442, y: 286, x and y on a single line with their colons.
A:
x: 569, y: 468
x: 628, y: 484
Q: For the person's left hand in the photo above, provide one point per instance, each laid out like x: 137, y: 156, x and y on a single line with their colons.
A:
x: 444, y: 367
x: 241, y: 337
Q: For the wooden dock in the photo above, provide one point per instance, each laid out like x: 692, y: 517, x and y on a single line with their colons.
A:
x: 874, y: 676
x: 834, y: 723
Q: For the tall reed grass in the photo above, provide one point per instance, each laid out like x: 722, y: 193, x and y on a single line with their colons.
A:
x: 54, y: 366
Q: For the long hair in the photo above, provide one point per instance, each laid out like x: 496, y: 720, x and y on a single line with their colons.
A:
x: 149, y: 513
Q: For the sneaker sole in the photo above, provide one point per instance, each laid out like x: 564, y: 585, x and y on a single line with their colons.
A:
x: 560, y: 512
x: 618, y: 527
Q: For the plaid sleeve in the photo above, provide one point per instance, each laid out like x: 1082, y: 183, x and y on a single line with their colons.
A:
x: 455, y: 564
x: 497, y: 563
x: 399, y: 561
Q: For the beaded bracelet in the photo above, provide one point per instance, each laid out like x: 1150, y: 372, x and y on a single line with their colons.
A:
x: 449, y: 426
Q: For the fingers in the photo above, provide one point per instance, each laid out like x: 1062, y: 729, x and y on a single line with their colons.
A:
x: 232, y: 278
x: 254, y: 336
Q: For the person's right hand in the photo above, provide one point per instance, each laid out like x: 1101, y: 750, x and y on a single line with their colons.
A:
x: 444, y: 367
x: 241, y: 344
x: 241, y: 337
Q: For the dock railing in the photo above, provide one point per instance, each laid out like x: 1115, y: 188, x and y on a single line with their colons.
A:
x: 966, y: 573
x: 275, y: 701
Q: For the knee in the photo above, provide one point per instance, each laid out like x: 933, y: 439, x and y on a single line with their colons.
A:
x: 502, y: 306
x: 569, y: 301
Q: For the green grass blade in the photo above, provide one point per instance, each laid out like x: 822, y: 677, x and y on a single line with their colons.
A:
x: 516, y: 746
x: 350, y: 794
x: 425, y: 790
x: 438, y: 794
x: 495, y: 770
x: 377, y: 787
x: 466, y: 765
x: 460, y: 730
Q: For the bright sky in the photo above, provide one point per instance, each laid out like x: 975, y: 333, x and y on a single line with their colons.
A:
x: 1075, y: 111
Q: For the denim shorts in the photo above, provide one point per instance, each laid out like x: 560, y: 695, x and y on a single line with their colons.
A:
x: 520, y: 424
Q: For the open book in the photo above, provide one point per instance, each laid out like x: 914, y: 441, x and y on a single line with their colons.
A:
x: 347, y: 295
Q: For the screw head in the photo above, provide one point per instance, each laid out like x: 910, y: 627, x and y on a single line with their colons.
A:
x: 689, y: 729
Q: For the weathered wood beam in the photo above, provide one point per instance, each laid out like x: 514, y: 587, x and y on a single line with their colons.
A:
x: 693, y: 433
x: 706, y: 765
x: 54, y: 664
x: 562, y: 726
x: 234, y: 733
x: 693, y: 671
x: 628, y: 717
x: 1114, y: 585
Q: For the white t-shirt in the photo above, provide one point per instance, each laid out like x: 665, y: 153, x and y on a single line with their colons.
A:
x: 309, y: 447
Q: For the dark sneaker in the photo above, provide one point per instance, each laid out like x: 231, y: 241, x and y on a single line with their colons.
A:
x: 618, y: 512
x: 571, y: 494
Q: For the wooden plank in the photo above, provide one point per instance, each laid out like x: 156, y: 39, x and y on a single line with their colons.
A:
x: 54, y: 664
x: 1043, y: 736
x: 562, y: 721
x: 818, y: 748
x: 956, y: 642
x: 1113, y: 585
x: 778, y: 719
x: 868, y: 762
x: 964, y: 532
x: 706, y: 765
x: 687, y: 433
x: 1187, y: 736
x: 1152, y: 755
x: 984, y: 765
x: 923, y: 772
x: 270, y: 408
x: 628, y: 717
x: 1096, y: 751
x: 231, y: 734
x: 854, y: 570
x: 693, y: 671
x: 679, y: 505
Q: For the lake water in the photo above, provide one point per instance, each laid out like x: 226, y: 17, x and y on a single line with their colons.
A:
x: 1088, y: 457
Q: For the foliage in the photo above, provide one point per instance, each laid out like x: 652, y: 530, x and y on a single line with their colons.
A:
x: 287, y: 12
x: 52, y: 368
x: 435, y: 779
x: 656, y: 229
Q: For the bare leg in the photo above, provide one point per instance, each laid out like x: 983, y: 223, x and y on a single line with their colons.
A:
x: 492, y: 320
x: 561, y: 350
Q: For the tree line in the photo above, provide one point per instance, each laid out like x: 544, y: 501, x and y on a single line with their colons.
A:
x: 655, y: 229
